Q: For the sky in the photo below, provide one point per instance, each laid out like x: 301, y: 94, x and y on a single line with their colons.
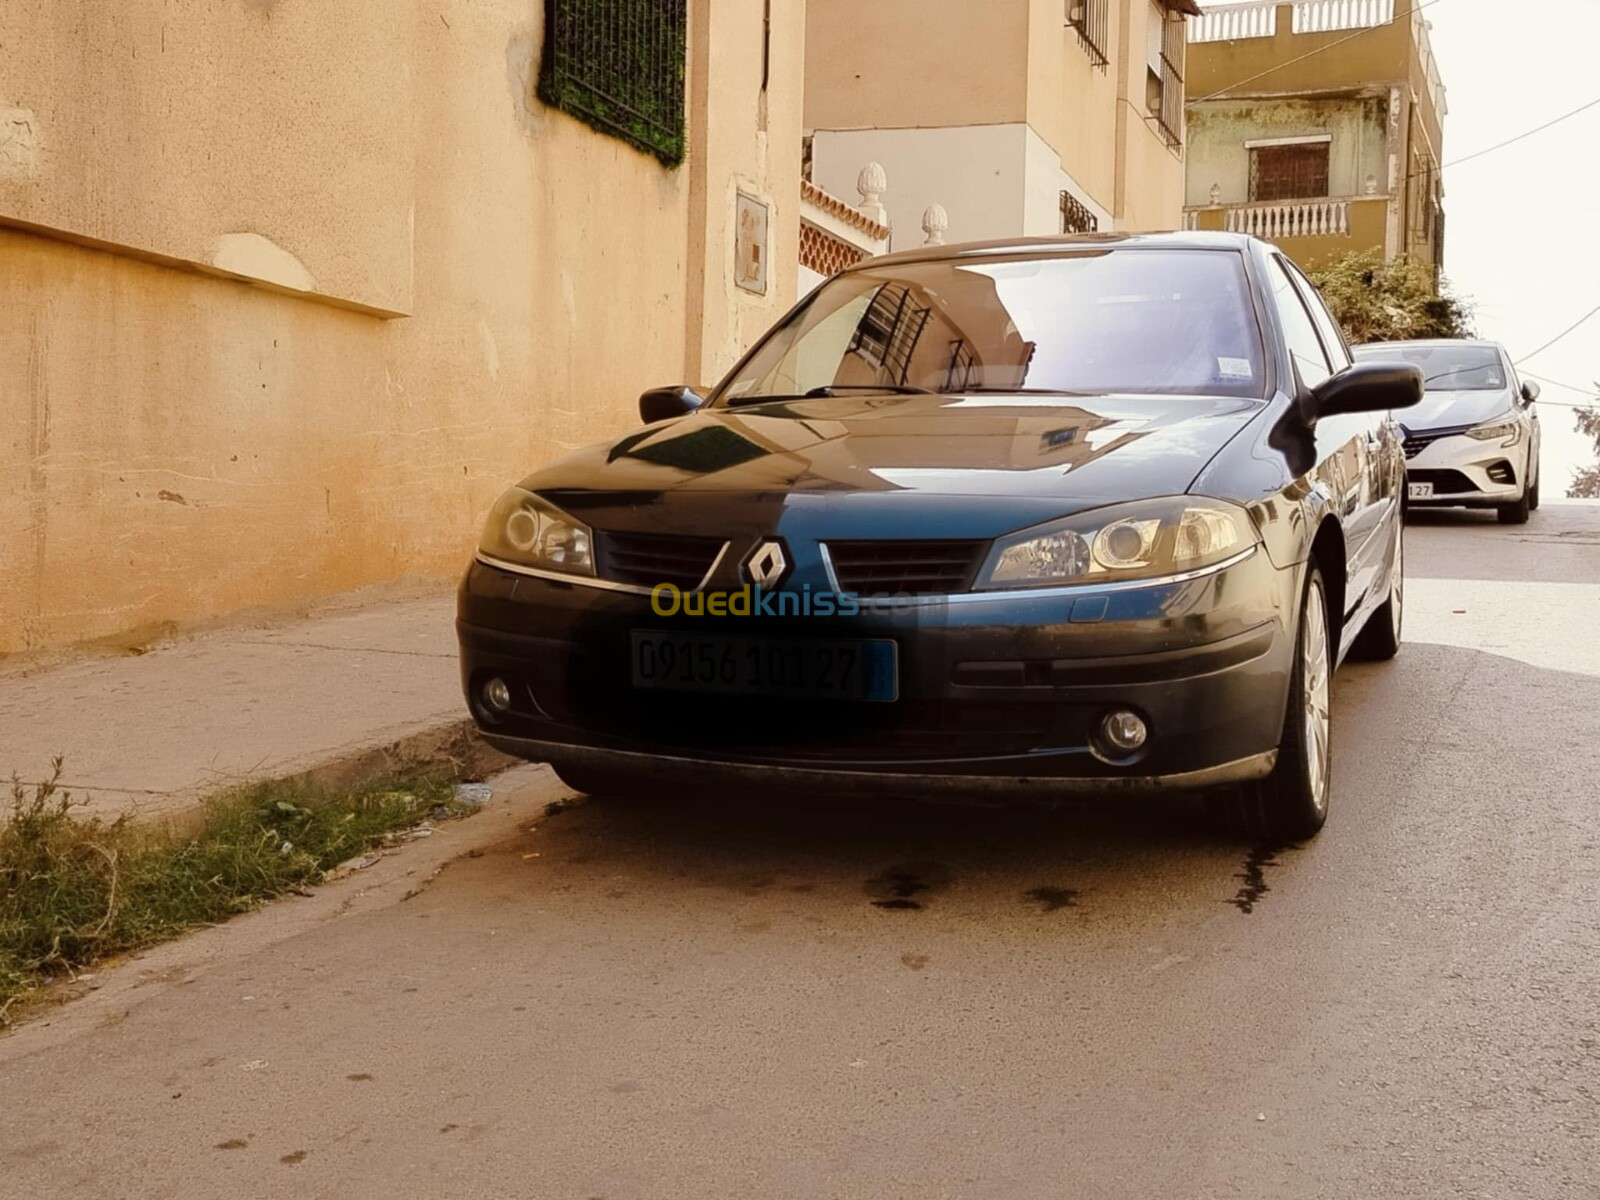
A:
x: 1522, y: 224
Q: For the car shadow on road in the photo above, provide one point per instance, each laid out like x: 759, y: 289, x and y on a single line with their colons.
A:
x: 896, y: 855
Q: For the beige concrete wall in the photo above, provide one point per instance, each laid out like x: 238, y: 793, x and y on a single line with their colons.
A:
x: 947, y: 70
x: 908, y: 64
x: 1071, y: 102
x: 1150, y: 170
x: 176, y: 446
x: 259, y: 138
x: 743, y: 141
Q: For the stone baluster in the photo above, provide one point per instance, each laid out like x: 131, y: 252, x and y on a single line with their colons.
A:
x: 872, y: 183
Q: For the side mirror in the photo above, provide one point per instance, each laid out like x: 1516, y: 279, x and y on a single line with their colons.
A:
x: 1367, y: 387
x: 1530, y: 390
x: 660, y: 404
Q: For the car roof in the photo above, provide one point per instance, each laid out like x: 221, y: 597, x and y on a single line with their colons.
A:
x: 1006, y: 247
x: 1484, y: 342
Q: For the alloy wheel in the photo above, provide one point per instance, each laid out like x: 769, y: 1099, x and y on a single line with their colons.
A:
x: 1317, y: 673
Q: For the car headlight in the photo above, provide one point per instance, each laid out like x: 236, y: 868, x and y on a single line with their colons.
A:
x: 1143, y: 540
x: 1508, y: 429
x: 530, y: 531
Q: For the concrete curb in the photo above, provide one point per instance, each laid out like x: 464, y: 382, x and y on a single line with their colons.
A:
x: 453, y: 748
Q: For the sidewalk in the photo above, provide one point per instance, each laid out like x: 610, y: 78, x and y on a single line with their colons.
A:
x: 152, y: 734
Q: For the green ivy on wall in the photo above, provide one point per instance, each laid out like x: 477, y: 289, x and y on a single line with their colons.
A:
x: 618, y: 65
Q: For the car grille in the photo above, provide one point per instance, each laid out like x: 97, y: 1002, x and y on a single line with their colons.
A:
x: 647, y: 559
x: 1445, y: 483
x: 920, y: 568
x: 1419, y: 441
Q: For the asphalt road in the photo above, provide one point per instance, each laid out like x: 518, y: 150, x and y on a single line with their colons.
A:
x: 672, y: 998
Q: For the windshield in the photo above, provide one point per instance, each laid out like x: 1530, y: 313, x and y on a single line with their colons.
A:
x: 1166, y: 321
x: 1462, y: 368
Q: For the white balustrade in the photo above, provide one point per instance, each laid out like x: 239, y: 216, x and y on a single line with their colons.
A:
x: 1298, y: 218
x: 1234, y: 21
x: 1324, y: 16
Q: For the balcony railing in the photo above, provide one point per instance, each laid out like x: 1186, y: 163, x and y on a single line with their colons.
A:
x: 1292, y: 218
x: 1259, y: 18
x: 1326, y: 16
x: 1234, y: 22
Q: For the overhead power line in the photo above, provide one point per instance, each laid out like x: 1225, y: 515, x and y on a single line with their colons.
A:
x: 1527, y: 133
x: 1309, y: 54
x: 1559, y: 336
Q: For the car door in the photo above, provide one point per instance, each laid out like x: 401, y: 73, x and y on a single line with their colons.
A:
x: 1342, y: 455
x: 1381, y: 461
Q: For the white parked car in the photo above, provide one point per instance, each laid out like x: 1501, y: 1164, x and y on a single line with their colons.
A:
x: 1473, y: 442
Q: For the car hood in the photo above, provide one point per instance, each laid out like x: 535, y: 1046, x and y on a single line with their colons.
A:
x: 1446, y: 410
x: 979, y: 464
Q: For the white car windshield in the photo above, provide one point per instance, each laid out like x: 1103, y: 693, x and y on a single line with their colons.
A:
x: 1464, y: 368
x: 1081, y: 322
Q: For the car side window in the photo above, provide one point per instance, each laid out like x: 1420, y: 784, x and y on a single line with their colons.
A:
x: 1299, y: 332
x: 1332, y: 336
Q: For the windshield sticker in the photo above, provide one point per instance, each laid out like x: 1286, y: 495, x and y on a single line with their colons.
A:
x: 1234, y: 368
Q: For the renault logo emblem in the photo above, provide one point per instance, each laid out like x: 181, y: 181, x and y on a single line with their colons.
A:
x: 767, y: 565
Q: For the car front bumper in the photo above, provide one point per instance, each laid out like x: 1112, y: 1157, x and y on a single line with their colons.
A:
x: 998, y: 695
x: 1465, y: 471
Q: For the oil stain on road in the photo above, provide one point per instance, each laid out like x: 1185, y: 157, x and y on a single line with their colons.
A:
x: 1254, y: 875
x: 896, y: 887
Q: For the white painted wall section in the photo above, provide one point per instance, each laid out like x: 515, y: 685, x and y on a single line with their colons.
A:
x: 978, y: 172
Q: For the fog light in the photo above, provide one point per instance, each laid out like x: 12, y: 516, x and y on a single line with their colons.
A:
x: 1124, y: 731
x: 497, y: 696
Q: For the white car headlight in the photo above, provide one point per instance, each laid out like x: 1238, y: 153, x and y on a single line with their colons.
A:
x: 1507, y: 430
x: 1147, y: 539
x: 530, y: 531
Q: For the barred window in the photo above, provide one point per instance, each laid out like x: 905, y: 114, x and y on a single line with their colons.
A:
x: 618, y: 65
x: 1089, y: 18
x: 1075, y: 218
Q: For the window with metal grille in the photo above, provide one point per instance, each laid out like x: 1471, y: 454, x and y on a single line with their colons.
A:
x: 618, y: 65
x: 1089, y: 18
x: 1167, y: 41
x: 1075, y: 218
x: 1292, y: 172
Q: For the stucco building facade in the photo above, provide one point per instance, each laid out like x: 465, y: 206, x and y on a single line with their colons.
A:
x: 289, y: 293
x: 1017, y: 118
x: 1319, y: 125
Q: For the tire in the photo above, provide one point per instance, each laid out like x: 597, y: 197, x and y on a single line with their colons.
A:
x: 1379, y: 639
x: 1533, y: 494
x: 1291, y: 803
x: 1517, y: 512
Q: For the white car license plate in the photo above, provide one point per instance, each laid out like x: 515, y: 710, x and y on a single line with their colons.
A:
x: 1420, y: 491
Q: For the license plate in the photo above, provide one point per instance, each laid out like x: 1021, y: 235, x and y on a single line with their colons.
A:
x: 841, y: 670
x: 1420, y: 491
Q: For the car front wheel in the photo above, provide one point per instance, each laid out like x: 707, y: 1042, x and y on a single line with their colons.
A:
x: 1291, y: 803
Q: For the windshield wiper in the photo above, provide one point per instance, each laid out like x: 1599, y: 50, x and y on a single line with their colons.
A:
x: 834, y: 389
x: 896, y: 389
x: 985, y: 390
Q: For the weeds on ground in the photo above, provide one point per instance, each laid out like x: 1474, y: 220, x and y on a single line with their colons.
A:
x: 75, y: 889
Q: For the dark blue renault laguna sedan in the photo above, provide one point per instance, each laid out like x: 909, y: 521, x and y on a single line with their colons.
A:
x: 1016, y: 519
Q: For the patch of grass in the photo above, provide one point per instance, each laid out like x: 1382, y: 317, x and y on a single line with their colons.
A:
x: 75, y: 890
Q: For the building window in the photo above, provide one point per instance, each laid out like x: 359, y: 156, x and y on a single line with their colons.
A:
x: 1075, y: 218
x: 1089, y: 18
x: 1166, y: 39
x: 1293, y: 171
x: 618, y: 65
